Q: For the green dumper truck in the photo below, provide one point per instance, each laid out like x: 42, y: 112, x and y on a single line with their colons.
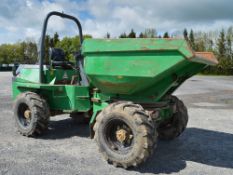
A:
x: 121, y: 87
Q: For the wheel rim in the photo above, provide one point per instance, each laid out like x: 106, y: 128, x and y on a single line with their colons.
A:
x: 24, y: 115
x: 119, y: 136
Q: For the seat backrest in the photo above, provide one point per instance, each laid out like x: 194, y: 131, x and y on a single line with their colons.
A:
x: 57, y: 55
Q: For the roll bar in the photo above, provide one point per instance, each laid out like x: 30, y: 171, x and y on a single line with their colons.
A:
x: 42, y: 43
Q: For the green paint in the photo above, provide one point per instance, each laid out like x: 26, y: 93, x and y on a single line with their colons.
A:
x: 138, y: 70
x: 51, y: 75
x: 97, y: 107
x: 59, y: 97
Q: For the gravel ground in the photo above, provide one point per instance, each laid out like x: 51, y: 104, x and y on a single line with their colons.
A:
x: 206, y: 146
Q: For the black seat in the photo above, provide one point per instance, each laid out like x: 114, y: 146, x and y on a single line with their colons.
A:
x: 58, y: 59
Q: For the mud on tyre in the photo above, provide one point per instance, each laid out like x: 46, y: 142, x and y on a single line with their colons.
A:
x: 31, y: 114
x: 174, y: 126
x: 125, y: 134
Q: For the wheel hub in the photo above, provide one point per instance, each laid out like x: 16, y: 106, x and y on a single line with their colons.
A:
x: 121, y: 135
x: 27, y: 114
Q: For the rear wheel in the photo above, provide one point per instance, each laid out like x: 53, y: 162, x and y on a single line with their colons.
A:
x: 125, y: 134
x: 31, y: 114
x: 174, y: 126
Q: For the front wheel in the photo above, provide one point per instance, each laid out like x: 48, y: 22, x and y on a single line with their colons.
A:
x: 125, y: 134
x: 175, y: 125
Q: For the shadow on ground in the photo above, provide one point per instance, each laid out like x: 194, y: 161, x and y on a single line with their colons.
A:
x: 197, y: 145
x: 65, y: 128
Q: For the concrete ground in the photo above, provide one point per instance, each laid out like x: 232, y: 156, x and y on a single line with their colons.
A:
x: 206, y: 146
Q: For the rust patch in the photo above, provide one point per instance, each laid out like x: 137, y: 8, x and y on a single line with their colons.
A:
x: 120, y: 87
x: 145, y: 48
x: 109, y: 84
x: 209, y: 56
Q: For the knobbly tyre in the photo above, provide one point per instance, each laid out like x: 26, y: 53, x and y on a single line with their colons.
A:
x: 121, y: 87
